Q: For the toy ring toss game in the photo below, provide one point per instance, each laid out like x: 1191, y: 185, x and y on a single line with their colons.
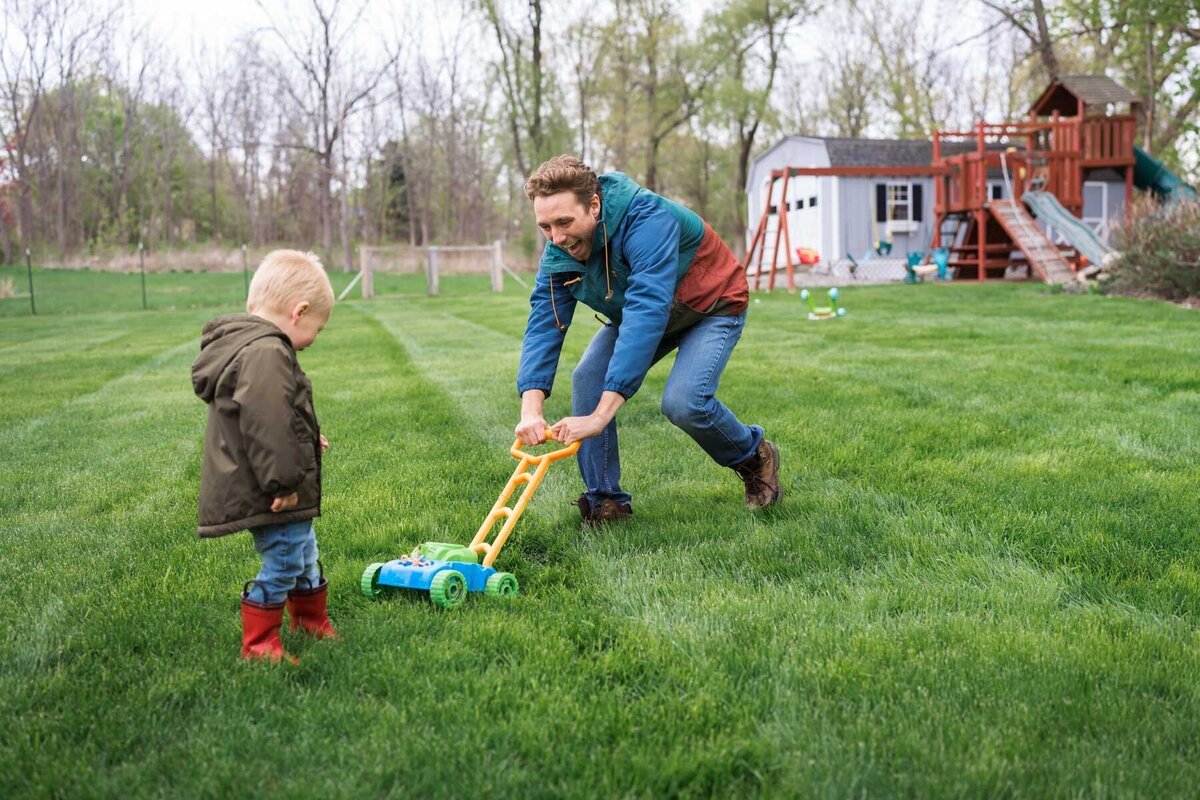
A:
x: 823, y: 312
x: 448, y: 571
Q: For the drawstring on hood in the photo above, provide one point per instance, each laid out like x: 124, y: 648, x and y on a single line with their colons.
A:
x: 607, y: 283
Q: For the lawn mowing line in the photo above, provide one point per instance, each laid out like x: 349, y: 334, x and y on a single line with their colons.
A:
x: 53, y: 346
x: 80, y: 454
x: 152, y: 363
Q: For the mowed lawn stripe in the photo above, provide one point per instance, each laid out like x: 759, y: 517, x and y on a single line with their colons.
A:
x: 60, y: 358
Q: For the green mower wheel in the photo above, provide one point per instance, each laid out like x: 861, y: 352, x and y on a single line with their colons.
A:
x: 369, y: 584
x: 502, y: 584
x: 449, y: 589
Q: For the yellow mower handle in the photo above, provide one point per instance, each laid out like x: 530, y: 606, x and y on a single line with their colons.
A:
x: 547, y: 436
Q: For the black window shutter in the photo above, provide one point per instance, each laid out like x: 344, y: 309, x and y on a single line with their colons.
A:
x: 916, y: 202
x: 881, y: 202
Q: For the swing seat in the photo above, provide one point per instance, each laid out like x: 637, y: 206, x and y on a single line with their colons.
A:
x: 914, y: 270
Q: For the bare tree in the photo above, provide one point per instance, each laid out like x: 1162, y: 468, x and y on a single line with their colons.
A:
x: 1029, y: 18
x: 24, y: 60
x: 127, y: 81
x: 215, y: 85
x: 673, y: 76
x: 330, y: 84
x: 524, y: 80
x: 77, y: 30
x: 585, y: 42
x: 757, y: 31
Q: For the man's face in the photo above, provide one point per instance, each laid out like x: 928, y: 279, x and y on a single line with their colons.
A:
x: 568, y: 223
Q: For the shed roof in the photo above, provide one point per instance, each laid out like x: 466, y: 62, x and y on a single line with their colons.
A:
x: 847, y: 152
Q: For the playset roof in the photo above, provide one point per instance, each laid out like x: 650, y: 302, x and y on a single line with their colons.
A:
x: 1065, y: 94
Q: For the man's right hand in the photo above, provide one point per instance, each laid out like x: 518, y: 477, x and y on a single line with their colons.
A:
x: 531, y: 430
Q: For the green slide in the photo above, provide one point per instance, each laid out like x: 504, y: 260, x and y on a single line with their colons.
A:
x: 1150, y: 174
x: 1046, y: 207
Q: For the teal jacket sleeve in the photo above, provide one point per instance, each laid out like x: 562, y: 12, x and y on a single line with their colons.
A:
x: 651, y: 248
x: 550, y: 305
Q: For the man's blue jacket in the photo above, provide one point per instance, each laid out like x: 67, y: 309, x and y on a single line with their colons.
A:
x: 654, y: 267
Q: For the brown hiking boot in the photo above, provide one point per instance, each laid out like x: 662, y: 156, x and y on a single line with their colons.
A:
x: 760, y: 473
x: 607, y: 510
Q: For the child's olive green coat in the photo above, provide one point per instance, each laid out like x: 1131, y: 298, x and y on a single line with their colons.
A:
x: 262, y: 440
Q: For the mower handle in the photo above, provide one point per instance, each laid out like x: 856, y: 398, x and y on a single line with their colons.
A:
x: 547, y: 435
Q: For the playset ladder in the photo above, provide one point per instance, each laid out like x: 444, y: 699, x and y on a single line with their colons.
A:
x: 1043, y: 255
x: 758, y: 244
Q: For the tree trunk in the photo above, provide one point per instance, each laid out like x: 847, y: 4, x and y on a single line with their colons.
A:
x: 6, y: 240
x: 344, y: 227
x: 325, y: 191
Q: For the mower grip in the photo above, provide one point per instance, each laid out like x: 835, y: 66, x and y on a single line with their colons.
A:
x: 547, y: 436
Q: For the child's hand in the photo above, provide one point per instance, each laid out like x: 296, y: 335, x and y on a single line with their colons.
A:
x: 285, y: 502
x: 324, y: 443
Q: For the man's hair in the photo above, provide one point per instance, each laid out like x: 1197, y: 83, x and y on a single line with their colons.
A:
x: 287, y: 277
x: 563, y: 174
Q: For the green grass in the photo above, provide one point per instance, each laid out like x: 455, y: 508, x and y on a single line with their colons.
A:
x: 984, y: 580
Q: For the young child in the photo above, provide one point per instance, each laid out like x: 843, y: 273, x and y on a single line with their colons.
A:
x: 262, y: 445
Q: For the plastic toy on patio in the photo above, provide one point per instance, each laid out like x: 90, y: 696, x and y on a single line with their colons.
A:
x: 447, y: 572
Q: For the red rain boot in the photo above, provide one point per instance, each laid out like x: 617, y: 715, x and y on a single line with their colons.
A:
x: 260, y: 631
x: 307, y: 609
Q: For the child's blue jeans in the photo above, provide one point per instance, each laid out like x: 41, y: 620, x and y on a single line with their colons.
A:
x: 689, y: 401
x: 289, y: 555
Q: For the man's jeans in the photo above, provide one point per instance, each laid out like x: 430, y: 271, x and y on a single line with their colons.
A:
x: 689, y: 401
x: 289, y: 554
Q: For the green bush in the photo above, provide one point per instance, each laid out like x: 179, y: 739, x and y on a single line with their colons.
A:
x: 1160, y: 251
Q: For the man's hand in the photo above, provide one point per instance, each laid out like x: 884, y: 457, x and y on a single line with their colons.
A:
x: 574, y: 429
x: 284, y: 503
x: 531, y: 428
x: 324, y: 443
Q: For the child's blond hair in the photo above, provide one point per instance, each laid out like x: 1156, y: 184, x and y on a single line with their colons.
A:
x: 287, y: 277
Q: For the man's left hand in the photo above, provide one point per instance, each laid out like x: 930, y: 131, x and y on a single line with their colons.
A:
x: 574, y: 429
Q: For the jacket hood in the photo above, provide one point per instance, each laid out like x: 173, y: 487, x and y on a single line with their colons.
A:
x: 221, y: 340
x: 617, y: 191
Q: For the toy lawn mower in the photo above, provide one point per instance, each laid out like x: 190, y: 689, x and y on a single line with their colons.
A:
x: 449, y: 571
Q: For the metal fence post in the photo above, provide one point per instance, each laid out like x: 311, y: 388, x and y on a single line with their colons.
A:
x: 29, y: 269
x: 142, y: 260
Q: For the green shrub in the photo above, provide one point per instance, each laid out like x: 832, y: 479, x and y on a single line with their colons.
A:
x: 1160, y: 251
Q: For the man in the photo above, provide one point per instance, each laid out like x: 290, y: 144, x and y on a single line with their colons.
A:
x: 665, y: 281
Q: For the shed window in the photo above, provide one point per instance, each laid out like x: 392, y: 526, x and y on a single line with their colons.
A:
x: 812, y: 202
x: 897, y: 201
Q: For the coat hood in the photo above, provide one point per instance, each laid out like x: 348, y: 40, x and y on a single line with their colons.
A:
x: 617, y: 191
x: 221, y: 340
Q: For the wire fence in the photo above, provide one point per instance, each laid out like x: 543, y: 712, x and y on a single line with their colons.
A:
x: 213, y: 279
